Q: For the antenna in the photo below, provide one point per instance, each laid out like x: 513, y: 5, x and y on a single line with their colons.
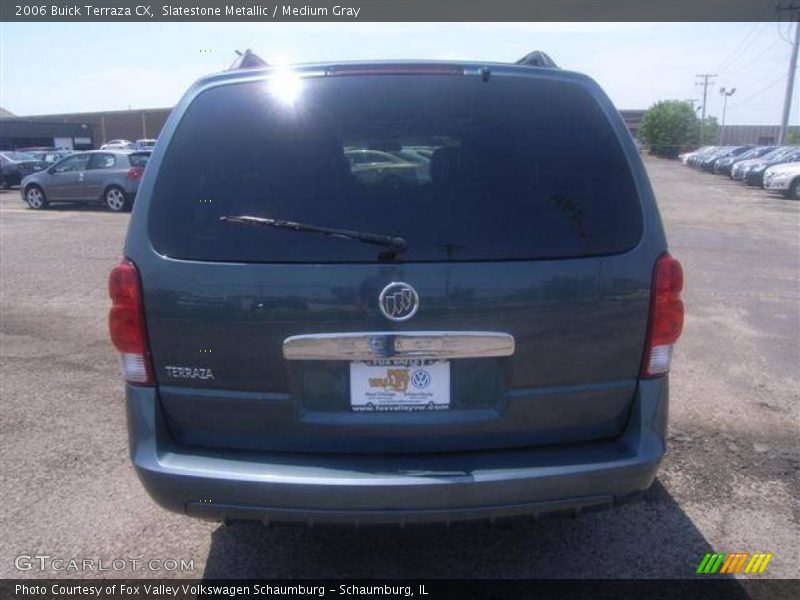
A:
x: 537, y: 58
x: 247, y: 60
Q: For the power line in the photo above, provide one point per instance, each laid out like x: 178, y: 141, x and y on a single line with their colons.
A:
x: 759, y: 92
x: 724, y: 63
x: 755, y: 59
x: 733, y: 55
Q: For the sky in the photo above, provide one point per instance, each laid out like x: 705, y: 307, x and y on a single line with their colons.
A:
x: 50, y: 68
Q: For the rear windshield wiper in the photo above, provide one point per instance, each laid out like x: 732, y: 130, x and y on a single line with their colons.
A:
x: 396, y: 245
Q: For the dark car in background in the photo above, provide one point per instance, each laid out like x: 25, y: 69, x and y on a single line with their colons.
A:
x: 493, y: 341
x: 705, y: 160
x: 755, y: 173
x: 15, y: 166
x: 108, y: 177
x: 50, y: 155
x: 694, y: 159
x: 731, y: 151
x: 740, y: 168
x: 723, y: 166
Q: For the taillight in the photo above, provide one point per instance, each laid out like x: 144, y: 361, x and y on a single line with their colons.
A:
x: 126, y: 323
x: 666, y: 316
x: 135, y: 173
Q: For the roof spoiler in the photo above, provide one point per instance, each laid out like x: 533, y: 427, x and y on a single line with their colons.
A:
x: 537, y: 58
x: 247, y: 60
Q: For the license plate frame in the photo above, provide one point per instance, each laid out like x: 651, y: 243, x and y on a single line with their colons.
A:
x: 399, y: 385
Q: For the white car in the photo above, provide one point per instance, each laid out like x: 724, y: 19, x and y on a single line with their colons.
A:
x: 784, y: 178
x: 684, y: 157
x: 117, y: 145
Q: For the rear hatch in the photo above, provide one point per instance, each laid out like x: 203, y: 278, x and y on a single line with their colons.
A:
x: 522, y: 220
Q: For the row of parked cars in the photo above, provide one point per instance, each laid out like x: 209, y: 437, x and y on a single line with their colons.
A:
x: 774, y: 168
x: 15, y: 165
x: 143, y: 144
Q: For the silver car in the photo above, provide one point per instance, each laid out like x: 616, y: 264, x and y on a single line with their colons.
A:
x: 109, y: 177
x: 118, y: 145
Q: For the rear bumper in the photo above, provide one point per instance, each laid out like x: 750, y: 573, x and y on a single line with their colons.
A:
x: 370, y: 489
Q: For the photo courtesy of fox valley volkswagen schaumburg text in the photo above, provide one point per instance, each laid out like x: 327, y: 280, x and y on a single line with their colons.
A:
x: 407, y: 291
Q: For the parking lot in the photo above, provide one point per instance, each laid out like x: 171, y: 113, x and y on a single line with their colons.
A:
x: 730, y: 483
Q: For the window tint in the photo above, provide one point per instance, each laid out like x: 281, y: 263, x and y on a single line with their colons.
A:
x: 102, y: 161
x: 73, y: 163
x: 512, y: 168
x: 139, y: 159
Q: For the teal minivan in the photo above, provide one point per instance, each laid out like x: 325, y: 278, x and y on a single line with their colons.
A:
x: 395, y: 292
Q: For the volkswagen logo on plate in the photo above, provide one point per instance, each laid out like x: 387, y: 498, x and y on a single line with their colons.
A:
x: 420, y: 379
x: 398, y: 301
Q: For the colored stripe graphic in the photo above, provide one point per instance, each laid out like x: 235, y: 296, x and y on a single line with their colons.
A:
x: 758, y: 563
x: 734, y: 562
x: 720, y: 562
x: 711, y: 563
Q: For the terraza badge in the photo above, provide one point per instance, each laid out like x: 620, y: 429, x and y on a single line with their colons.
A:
x: 189, y: 372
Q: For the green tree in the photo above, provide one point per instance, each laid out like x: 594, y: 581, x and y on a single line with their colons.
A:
x: 670, y: 126
x: 793, y: 136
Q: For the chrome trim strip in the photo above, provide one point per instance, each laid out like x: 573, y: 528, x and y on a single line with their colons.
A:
x: 371, y: 345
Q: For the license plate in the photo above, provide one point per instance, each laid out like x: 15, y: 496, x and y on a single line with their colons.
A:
x: 399, y: 385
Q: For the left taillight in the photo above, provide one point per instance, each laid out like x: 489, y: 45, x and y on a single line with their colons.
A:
x: 126, y: 323
x: 666, y: 316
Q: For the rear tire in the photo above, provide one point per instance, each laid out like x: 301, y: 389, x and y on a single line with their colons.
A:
x: 115, y: 199
x: 35, y: 197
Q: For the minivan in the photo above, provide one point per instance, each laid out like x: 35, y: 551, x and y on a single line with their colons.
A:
x: 302, y: 344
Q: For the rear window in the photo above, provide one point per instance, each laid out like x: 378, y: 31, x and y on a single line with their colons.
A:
x: 139, y: 159
x: 464, y: 170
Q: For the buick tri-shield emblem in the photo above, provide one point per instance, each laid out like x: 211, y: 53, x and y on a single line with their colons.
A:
x: 398, y: 301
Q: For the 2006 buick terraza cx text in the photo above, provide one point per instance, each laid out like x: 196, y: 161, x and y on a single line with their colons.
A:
x: 479, y: 329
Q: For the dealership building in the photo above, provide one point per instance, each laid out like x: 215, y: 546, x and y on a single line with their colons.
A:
x: 79, y: 131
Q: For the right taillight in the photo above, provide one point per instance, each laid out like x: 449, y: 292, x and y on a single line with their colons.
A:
x: 666, y: 316
x: 135, y: 173
x: 126, y: 323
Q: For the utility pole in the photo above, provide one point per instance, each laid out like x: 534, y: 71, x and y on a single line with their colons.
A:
x: 725, y: 95
x: 705, y: 77
x: 787, y: 99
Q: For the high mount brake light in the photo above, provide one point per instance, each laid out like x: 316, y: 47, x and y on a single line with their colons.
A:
x: 126, y: 323
x: 666, y: 316
x: 396, y: 70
